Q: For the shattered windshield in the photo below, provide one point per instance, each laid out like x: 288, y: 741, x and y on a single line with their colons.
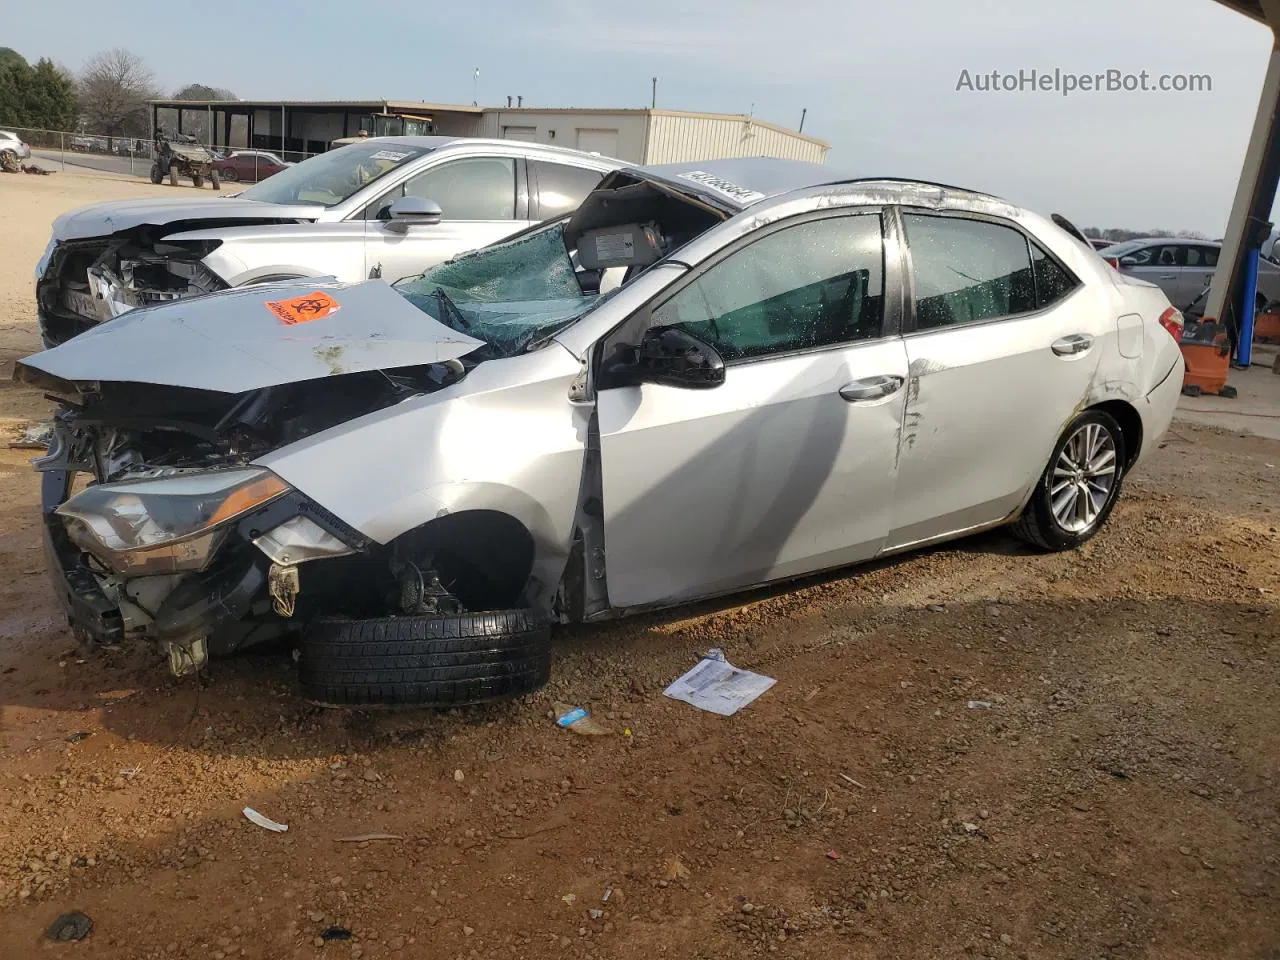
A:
x: 332, y: 177
x: 510, y: 295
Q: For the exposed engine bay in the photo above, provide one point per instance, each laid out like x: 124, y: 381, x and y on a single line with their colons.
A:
x: 87, y: 282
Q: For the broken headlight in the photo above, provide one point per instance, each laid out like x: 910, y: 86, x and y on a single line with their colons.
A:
x: 147, y: 527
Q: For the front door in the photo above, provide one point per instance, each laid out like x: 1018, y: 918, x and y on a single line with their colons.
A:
x: 996, y: 318
x: 478, y: 197
x: 789, y: 465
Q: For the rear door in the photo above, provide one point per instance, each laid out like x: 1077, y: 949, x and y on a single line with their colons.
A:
x: 789, y: 465
x: 1158, y: 264
x: 1003, y: 342
x: 481, y: 205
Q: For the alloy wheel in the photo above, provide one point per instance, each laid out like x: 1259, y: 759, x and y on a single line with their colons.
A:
x: 1084, y: 477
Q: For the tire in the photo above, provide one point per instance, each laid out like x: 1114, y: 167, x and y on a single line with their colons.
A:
x: 1039, y: 525
x: 229, y: 175
x: 425, y: 661
x: 214, y: 181
x: 173, y: 174
x: 197, y: 181
x: 157, y: 175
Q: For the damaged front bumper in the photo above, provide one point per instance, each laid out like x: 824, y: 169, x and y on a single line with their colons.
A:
x: 179, y: 611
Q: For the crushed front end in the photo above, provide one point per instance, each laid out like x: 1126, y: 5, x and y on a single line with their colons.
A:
x: 81, y: 283
x: 159, y: 527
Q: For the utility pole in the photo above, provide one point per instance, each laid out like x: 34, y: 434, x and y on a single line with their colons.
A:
x: 653, y: 103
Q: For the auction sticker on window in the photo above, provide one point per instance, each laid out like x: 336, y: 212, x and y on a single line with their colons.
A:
x: 310, y: 306
x: 393, y: 155
x: 720, y: 185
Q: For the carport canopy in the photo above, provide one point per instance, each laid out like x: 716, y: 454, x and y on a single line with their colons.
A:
x: 1256, y: 191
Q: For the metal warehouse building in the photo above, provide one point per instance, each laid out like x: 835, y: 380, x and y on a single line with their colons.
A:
x: 300, y: 127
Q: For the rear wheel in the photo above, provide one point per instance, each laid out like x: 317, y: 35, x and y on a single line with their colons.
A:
x: 157, y: 174
x: 425, y: 661
x: 229, y: 175
x: 197, y: 180
x: 1080, y: 486
x: 173, y: 174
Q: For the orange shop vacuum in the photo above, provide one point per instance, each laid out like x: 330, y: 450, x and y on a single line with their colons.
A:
x: 1206, y: 349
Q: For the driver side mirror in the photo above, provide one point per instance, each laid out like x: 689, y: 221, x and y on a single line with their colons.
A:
x: 668, y: 356
x: 1129, y: 263
x: 407, y: 211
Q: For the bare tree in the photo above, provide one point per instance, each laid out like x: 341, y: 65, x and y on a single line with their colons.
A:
x: 114, y: 88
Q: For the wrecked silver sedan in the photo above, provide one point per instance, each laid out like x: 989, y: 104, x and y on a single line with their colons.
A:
x: 703, y: 380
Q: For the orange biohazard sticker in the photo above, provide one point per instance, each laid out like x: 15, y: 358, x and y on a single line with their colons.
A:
x: 310, y: 306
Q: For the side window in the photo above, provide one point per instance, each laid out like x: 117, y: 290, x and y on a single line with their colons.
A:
x: 479, y: 188
x: 1053, y: 281
x: 809, y: 285
x: 1208, y: 257
x: 562, y: 188
x: 966, y: 271
x: 1144, y: 257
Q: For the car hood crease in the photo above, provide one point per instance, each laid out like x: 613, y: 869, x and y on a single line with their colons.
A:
x: 104, y: 219
x: 234, y: 341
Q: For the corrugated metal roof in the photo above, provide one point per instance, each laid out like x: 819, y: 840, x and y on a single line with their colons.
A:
x: 396, y: 106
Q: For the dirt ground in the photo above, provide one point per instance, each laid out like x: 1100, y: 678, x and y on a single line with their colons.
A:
x: 1111, y: 792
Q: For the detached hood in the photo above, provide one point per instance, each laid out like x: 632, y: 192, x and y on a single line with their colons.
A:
x: 103, y: 219
x: 255, y: 337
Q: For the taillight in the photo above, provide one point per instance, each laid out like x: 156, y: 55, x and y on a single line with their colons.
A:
x: 1113, y: 262
x: 1172, y: 321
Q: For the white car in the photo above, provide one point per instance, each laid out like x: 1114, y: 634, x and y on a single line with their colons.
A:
x: 707, y: 378
x: 11, y: 141
x: 384, y: 207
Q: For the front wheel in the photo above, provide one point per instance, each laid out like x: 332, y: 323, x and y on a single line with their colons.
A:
x: 1080, y: 486
x: 157, y: 174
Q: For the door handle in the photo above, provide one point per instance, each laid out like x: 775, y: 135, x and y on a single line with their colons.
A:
x: 1070, y: 346
x: 870, y: 388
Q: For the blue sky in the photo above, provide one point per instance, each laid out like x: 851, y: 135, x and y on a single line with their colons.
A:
x: 879, y: 80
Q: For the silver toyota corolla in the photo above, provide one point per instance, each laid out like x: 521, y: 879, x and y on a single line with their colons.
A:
x: 386, y: 207
x: 705, y: 379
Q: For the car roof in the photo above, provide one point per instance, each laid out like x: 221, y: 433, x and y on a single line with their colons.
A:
x: 741, y: 182
x: 439, y: 143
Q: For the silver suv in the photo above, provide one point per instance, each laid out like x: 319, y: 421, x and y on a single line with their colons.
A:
x: 386, y: 207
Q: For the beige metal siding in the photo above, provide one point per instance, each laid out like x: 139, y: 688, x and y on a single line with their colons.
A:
x: 677, y: 139
x: 560, y: 128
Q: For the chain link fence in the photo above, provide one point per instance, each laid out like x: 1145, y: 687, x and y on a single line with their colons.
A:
x: 133, y: 156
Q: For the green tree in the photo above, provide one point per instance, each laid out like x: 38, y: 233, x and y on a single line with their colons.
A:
x: 53, y: 97
x: 10, y: 57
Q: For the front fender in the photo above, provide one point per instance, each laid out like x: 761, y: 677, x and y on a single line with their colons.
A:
x: 505, y: 438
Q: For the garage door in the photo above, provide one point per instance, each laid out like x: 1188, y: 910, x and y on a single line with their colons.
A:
x: 599, y: 141
x: 520, y: 133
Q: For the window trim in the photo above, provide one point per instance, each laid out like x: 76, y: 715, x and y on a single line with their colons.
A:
x: 909, y: 327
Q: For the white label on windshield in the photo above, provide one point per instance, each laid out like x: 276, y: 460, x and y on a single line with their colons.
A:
x: 615, y: 247
x: 391, y: 155
x: 720, y: 185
